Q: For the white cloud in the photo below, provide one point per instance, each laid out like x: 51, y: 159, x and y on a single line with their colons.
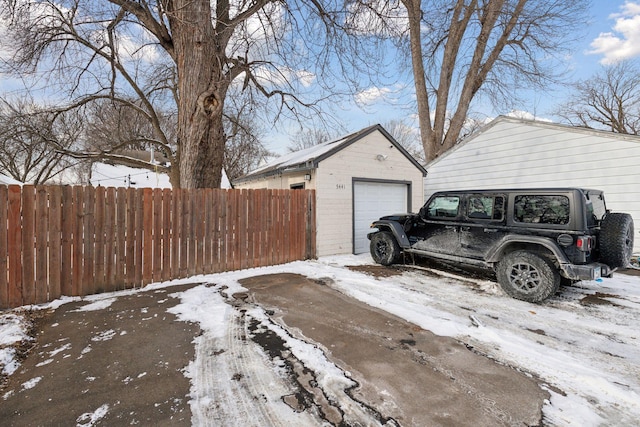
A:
x: 281, y: 76
x: 624, y: 41
x: 306, y: 78
x: 371, y: 95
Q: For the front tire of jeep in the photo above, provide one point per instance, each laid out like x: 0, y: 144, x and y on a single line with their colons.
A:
x: 384, y: 248
x: 528, y: 276
x: 616, y: 239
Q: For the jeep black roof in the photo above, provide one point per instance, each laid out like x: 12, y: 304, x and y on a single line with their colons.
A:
x: 521, y: 190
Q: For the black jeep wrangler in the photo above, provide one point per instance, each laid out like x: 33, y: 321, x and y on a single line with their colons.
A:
x: 531, y: 238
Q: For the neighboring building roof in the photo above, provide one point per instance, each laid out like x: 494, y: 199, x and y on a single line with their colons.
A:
x: 309, y: 158
x: 7, y: 180
x: 538, y: 123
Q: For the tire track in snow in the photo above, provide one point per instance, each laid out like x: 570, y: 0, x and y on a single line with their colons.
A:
x: 585, y: 349
x: 232, y: 382
x: 240, y: 378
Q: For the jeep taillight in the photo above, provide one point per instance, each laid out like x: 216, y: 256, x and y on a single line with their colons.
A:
x: 584, y: 243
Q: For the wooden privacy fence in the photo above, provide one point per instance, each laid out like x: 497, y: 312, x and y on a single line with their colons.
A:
x: 64, y: 240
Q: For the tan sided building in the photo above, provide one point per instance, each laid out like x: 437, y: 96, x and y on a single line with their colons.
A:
x: 357, y: 179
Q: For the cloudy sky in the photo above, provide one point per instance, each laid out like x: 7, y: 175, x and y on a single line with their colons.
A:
x: 613, y: 34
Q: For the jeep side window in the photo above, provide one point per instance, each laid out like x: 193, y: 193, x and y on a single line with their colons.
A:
x: 443, y: 207
x: 486, y: 207
x: 542, y: 209
x: 596, y: 208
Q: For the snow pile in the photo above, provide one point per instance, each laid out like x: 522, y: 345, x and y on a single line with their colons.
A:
x: 13, y: 331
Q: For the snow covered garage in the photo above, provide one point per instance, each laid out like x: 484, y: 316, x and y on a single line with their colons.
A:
x: 519, y: 153
x: 357, y: 179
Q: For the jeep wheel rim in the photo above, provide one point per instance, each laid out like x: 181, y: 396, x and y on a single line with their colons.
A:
x: 628, y: 242
x: 524, y: 277
x: 382, y: 249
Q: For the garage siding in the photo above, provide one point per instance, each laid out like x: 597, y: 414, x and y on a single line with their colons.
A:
x: 524, y: 154
x: 334, y: 187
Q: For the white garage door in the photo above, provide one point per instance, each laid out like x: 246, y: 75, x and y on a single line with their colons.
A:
x: 371, y: 200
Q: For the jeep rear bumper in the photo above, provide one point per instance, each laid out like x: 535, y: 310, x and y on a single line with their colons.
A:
x: 585, y: 272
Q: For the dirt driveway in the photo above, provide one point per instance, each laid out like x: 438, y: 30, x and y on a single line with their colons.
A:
x: 406, y: 374
x: 124, y: 364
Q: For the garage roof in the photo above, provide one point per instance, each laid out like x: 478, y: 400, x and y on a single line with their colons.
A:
x: 309, y: 158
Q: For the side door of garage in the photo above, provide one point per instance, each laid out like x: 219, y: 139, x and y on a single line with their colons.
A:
x: 372, y: 200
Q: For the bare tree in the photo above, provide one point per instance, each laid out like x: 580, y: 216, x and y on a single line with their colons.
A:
x: 30, y: 135
x: 117, y: 132
x: 148, y: 54
x: 608, y: 100
x: 460, y: 49
x: 407, y: 136
x: 244, y: 151
x: 306, y: 138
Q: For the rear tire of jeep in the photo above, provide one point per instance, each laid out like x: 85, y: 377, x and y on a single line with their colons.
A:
x: 616, y: 239
x: 384, y: 248
x: 528, y: 276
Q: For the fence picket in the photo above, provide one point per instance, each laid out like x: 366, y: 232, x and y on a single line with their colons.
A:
x: 102, y: 244
x: 198, y: 218
x: 67, y: 227
x: 186, y: 258
x: 156, y: 259
x: 166, y: 234
x: 42, y: 244
x: 78, y: 239
x: 4, y: 267
x: 14, y: 245
x: 88, y: 285
x: 216, y: 197
x: 28, y: 249
x: 176, y: 237
x: 130, y: 245
x: 121, y: 233
x: 147, y: 236
x: 109, y: 255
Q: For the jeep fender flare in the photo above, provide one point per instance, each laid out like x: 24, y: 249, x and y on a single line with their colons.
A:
x: 396, y: 229
x: 501, y: 248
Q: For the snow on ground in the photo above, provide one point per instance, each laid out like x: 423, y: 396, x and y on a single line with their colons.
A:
x: 13, y: 330
x: 583, y: 345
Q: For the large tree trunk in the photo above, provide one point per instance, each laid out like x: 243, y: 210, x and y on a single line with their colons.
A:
x: 427, y: 136
x: 201, y: 93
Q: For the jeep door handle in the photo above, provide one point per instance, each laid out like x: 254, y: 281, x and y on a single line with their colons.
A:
x: 449, y: 227
x: 490, y: 230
